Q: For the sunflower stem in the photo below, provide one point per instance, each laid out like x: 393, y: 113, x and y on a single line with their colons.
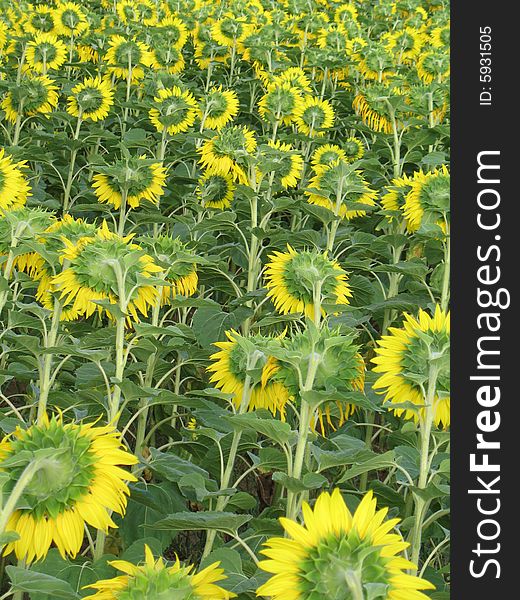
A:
x: 70, y: 175
x: 445, y: 296
x: 120, y: 370
x: 421, y: 505
x: 45, y: 370
x: 252, y: 267
x: 355, y: 584
x: 122, y: 212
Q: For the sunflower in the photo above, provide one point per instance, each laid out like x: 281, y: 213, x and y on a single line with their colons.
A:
x: 127, y: 57
x: 428, y: 200
x: 338, y: 186
x: 218, y: 108
x: 394, y: 198
x: 138, y: 178
x: 70, y: 19
x: 440, y: 37
x: 40, y: 20
x: 32, y: 96
x: 433, y: 66
x: 227, y: 152
x: 167, y: 58
x: 137, y: 13
x: 376, y: 63
x: 215, y: 190
x: 178, y: 264
x: 337, y: 554
x: 14, y: 188
x: 283, y: 161
x: 371, y: 105
x: 326, y: 155
x: 79, y: 483
x: 296, y: 78
x: 172, y: 30
x: 92, y: 275
x: 404, y: 359
x: 46, y: 53
x: 406, y: 44
x: 280, y: 102
x: 230, y: 30
x: 174, y: 110
x: 229, y: 372
x: 354, y: 149
x: 91, y: 100
x: 154, y: 579
x: 292, y: 278
x: 313, y: 116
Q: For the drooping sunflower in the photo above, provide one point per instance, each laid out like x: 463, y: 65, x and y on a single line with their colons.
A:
x: 433, y: 66
x: 280, y: 103
x: 218, y: 108
x: 338, y: 187
x: 138, y: 178
x: 80, y: 483
x: 371, y: 105
x: 229, y: 372
x: 326, y: 155
x: 32, y: 96
x: 174, y: 110
x: 313, y: 116
x: 46, y: 53
x: 337, y: 550
x: 428, y: 200
x: 178, y: 264
x: 154, y: 579
x: 70, y: 19
x: 216, y: 190
x: 404, y: 357
x: 91, y: 99
x: 14, y: 187
x: 228, y: 151
x: 127, y: 57
x: 91, y: 275
x: 292, y: 277
x: 283, y: 161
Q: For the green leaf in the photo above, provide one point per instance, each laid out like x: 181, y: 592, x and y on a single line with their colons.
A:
x: 375, y: 463
x: 33, y: 582
x: 198, y: 521
x: 275, y: 430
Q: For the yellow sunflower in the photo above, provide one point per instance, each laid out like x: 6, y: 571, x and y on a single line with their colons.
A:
x: 339, y: 187
x: 230, y: 30
x: 296, y: 78
x: 41, y: 19
x: 92, y: 275
x: 354, y: 149
x: 229, y: 366
x: 292, y: 277
x: 127, y: 57
x: 32, y: 96
x: 174, y: 110
x: 335, y: 549
x: 167, y: 58
x: 14, y: 188
x: 46, y: 53
x: 139, y: 178
x: 70, y: 19
x: 404, y: 359
x: 313, y: 116
x: 154, y: 579
x: 80, y: 483
x: 433, y: 66
x: 324, y: 156
x: 280, y: 103
x: 91, y: 100
x: 370, y: 105
x: 173, y: 30
x: 394, y: 198
x: 428, y: 200
x: 218, y: 108
x: 228, y: 151
x: 283, y: 161
x: 216, y: 190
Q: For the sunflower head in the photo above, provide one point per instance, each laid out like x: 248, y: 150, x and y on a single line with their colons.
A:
x: 340, y: 188
x: 285, y: 163
x: 46, y: 53
x: 313, y: 116
x: 167, y: 58
x: 295, y: 280
x: 354, y: 149
x: 154, y: 579
x: 218, y: 107
x: 216, y: 190
x: 31, y: 96
x: 433, y: 66
x: 242, y: 359
x: 280, y: 102
x: 325, y: 156
x: 296, y: 78
x: 105, y: 270
x: 20, y: 225
x: 338, y: 555
x: 91, y: 99
x: 230, y: 30
x: 376, y: 62
x: 126, y: 57
x: 173, y: 31
x: 76, y: 481
x: 14, y: 187
x: 41, y: 20
x: 70, y: 19
x: 178, y: 264
x: 371, y: 104
x: 133, y: 179
x: 405, y: 358
x: 428, y: 201
x: 394, y: 198
x: 174, y: 110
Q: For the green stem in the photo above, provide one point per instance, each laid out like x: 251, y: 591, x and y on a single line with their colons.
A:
x: 70, y: 175
x: 421, y: 505
x: 23, y: 481
x: 355, y: 584
x: 45, y: 373
x: 120, y: 370
x: 122, y: 212
x: 445, y: 295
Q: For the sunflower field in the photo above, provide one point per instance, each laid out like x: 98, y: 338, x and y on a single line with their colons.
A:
x: 224, y: 299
